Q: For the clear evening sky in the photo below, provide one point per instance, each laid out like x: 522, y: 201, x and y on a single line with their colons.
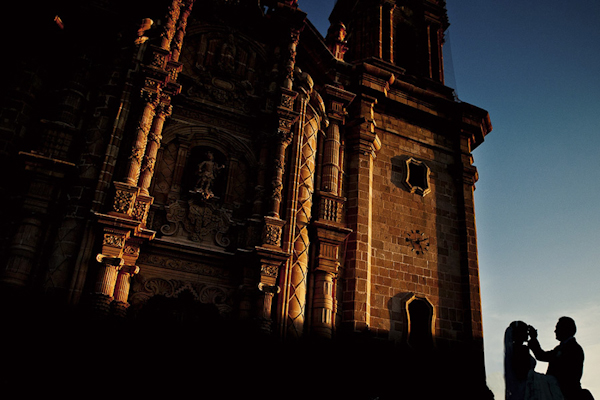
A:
x: 535, y: 66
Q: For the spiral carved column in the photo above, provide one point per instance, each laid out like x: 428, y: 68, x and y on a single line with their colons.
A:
x: 145, y: 123
x: 163, y: 110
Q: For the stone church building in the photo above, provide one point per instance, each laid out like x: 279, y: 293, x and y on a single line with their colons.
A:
x: 212, y: 191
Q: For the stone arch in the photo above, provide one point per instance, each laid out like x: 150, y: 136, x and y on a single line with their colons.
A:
x: 161, y: 295
x: 420, y: 315
x: 182, y: 309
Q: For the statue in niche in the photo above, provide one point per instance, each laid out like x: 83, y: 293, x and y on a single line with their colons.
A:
x: 207, y: 173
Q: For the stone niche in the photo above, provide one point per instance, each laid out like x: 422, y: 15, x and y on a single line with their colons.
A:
x: 203, y: 190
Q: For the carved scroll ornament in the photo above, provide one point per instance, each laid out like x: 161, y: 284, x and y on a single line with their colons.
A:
x: 200, y: 222
x: 143, y: 290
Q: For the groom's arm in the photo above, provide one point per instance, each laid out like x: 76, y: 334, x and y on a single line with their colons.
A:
x: 540, y: 354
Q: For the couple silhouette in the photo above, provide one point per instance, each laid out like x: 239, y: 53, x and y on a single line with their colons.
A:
x: 565, y: 364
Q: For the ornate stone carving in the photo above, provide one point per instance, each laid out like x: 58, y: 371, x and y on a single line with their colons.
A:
x: 336, y: 40
x: 178, y: 264
x: 269, y: 270
x: 272, y: 235
x: 139, y: 211
x: 149, y: 93
x: 158, y: 60
x: 142, y: 290
x: 148, y: 164
x: 141, y: 208
x: 222, y: 68
x: 284, y: 126
x: 277, y: 188
x: 200, y: 222
x: 123, y: 202
x: 170, y: 25
x: 287, y: 101
x: 113, y: 240
x: 133, y: 251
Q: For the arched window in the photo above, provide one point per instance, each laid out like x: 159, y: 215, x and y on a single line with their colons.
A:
x: 420, y: 323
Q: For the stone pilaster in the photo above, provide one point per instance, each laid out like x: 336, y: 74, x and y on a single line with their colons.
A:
x: 363, y: 144
x: 286, y: 118
x: 329, y: 237
x: 323, y: 304
x: 270, y: 260
x: 329, y: 229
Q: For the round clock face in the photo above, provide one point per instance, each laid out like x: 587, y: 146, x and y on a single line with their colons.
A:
x: 418, y: 240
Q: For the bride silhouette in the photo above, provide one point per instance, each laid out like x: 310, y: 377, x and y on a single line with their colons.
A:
x: 522, y: 382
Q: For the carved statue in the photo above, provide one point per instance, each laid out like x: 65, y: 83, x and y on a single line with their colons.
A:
x: 207, y: 173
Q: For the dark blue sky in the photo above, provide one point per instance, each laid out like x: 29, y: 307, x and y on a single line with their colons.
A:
x: 535, y: 66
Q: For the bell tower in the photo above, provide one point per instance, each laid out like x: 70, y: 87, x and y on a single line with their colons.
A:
x: 410, y: 272
x: 406, y: 33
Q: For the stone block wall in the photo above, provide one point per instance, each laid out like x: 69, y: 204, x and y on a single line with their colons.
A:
x: 399, y: 271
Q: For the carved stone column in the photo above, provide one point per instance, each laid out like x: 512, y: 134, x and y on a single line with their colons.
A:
x: 329, y: 229
x: 265, y: 305
x: 270, y: 258
x: 170, y: 24
x: 121, y: 294
x: 177, y: 40
x: 286, y: 118
x: 323, y: 304
x: 331, y: 162
x: 336, y: 102
x: 293, y: 20
x: 291, y: 61
x: 150, y: 98
x: 23, y: 251
x: 297, y: 287
x: 124, y: 225
x: 120, y: 246
x: 163, y: 110
x: 105, y: 282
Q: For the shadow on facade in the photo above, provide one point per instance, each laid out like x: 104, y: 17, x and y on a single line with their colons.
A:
x: 172, y: 345
x: 431, y: 367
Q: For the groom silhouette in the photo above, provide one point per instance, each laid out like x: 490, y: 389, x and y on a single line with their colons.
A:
x: 565, y: 361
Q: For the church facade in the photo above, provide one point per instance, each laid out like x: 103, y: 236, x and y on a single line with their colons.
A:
x: 220, y: 163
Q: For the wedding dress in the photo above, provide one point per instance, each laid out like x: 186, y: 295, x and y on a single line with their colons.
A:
x: 522, y: 382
